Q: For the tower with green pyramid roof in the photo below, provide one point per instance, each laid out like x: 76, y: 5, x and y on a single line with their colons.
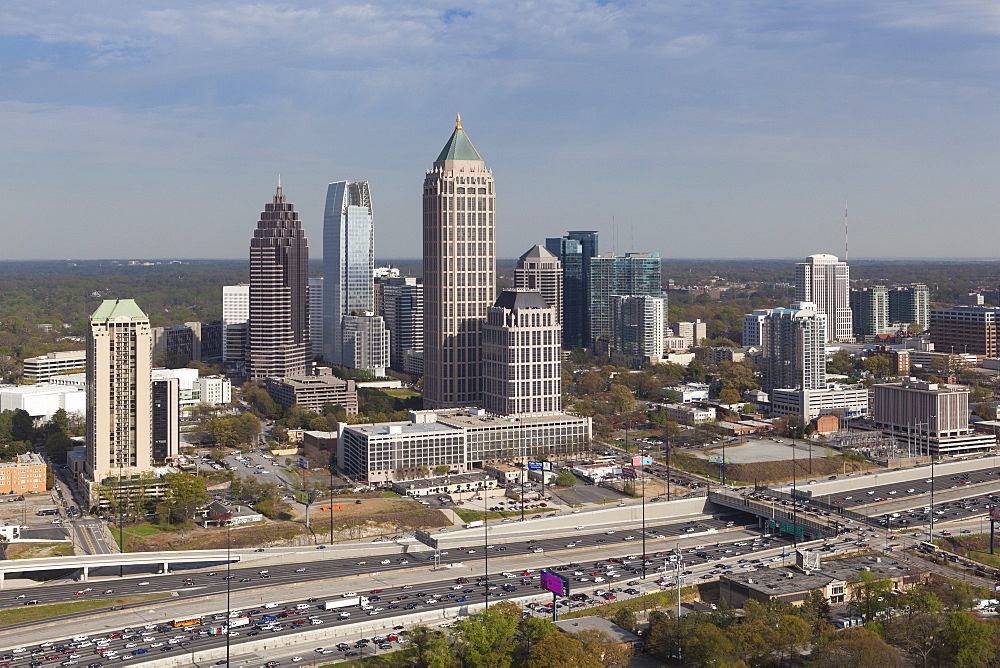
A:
x: 459, y: 252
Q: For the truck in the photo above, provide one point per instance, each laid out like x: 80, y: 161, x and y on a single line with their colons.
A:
x: 239, y: 621
x: 345, y: 602
x: 474, y: 524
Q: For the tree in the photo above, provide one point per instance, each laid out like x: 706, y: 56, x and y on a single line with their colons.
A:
x: 987, y: 410
x: 869, y: 594
x: 565, y: 479
x: 738, y: 376
x: 696, y: 371
x: 433, y: 649
x: 876, y: 365
x: 858, y: 648
x: 966, y: 642
x: 487, y: 640
x: 559, y: 650
x: 442, y: 469
x: 621, y: 399
x: 625, y: 618
x: 590, y: 382
x: 729, y: 396
x: 184, y: 495
x: 705, y: 644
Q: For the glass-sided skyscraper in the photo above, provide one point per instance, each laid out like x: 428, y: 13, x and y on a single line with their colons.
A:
x: 575, y: 251
x: 634, y: 274
x: 348, y: 272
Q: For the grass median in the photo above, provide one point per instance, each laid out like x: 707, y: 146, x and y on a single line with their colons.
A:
x: 32, y: 613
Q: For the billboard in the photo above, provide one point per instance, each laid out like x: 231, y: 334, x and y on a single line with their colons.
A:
x: 718, y: 459
x: 641, y: 461
x: 995, y: 513
x: 555, y: 583
x: 539, y: 466
x: 628, y: 473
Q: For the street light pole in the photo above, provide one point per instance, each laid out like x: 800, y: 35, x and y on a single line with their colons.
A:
x: 229, y: 606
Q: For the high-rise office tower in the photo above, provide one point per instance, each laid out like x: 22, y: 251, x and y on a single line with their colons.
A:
x: 278, y: 342
x: 634, y: 274
x: 538, y: 269
x: 459, y: 271
x: 521, y: 370
x: 825, y: 281
x: 315, y: 290
x: 166, y: 418
x: 575, y: 251
x: 349, y: 270
x: 870, y: 311
x: 119, y: 391
x: 793, y: 348
x: 402, y: 305
x: 910, y: 304
x: 637, y: 325
x: 235, y: 316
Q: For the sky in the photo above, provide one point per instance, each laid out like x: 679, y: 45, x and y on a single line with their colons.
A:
x: 728, y: 129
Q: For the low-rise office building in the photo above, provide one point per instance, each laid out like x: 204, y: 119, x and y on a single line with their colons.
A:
x: 832, y: 577
x: 687, y: 414
x: 314, y: 393
x: 849, y: 400
x: 462, y: 439
x: 449, y: 484
x: 40, y: 369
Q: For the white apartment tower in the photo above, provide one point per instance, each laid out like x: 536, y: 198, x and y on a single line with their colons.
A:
x: 235, y: 315
x: 825, y: 281
x: 459, y: 271
x: 793, y: 348
x: 119, y: 391
x: 521, y: 342
x: 538, y: 269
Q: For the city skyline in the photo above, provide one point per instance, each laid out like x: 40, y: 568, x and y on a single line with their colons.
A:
x: 756, y: 122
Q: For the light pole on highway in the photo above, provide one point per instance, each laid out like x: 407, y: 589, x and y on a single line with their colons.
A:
x: 229, y: 606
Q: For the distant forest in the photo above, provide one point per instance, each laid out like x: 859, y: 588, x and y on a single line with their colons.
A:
x: 65, y: 293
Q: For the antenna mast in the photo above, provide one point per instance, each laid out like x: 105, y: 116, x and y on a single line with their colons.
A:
x: 846, y: 253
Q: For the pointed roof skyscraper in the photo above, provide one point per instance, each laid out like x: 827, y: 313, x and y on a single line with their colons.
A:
x: 459, y: 147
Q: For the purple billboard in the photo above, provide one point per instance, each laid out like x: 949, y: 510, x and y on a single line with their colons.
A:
x: 556, y: 584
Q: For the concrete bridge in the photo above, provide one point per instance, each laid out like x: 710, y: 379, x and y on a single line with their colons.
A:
x: 774, y: 516
x: 88, y: 561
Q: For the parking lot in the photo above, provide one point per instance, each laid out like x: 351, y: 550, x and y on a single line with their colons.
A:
x: 581, y: 493
x: 765, y: 450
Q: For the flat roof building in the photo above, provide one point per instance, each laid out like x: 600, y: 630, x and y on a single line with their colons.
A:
x: 43, y: 367
x: 314, y: 393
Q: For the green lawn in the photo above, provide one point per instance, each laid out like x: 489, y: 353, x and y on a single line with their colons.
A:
x: 401, y: 658
x: 31, y: 613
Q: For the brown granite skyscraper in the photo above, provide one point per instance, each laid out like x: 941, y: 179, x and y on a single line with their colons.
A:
x: 459, y: 272
x: 278, y: 343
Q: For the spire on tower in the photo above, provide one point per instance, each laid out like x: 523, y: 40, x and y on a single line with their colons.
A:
x: 279, y: 196
x: 458, y: 122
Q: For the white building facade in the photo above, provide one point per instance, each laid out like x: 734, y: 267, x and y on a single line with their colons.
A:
x: 826, y: 282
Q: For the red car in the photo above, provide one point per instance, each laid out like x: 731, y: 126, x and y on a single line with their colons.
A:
x: 79, y: 593
x: 376, y: 591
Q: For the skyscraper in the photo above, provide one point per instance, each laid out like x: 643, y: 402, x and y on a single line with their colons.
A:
x: 278, y: 342
x: 538, y: 269
x: 521, y: 370
x: 235, y: 315
x: 910, y: 304
x: 315, y: 289
x: 119, y: 391
x: 825, y: 281
x: 353, y: 334
x: 575, y: 251
x: 793, y: 348
x: 459, y: 271
x: 637, y: 325
x: 870, y: 311
x: 634, y: 274
x: 403, y: 310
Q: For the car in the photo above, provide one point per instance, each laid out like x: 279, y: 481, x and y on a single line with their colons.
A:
x: 143, y: 584
x: 321, y: 547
